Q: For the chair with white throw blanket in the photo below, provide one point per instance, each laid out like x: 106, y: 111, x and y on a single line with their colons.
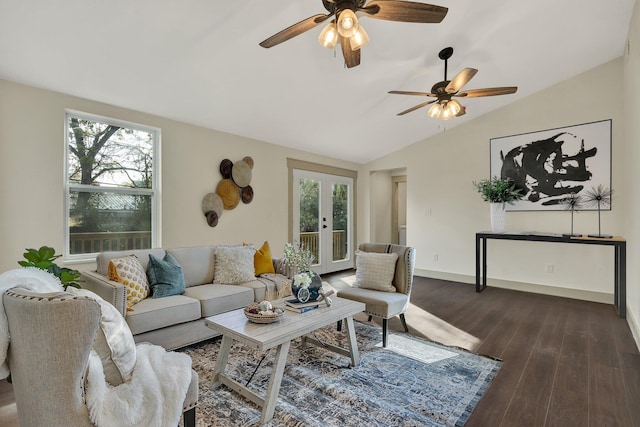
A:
x: 384, y: 276
x: 60, y: 377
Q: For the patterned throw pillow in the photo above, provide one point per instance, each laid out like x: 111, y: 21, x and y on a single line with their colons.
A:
x: 128, y: 271
x: 233, y: 265
x: 375, y: 271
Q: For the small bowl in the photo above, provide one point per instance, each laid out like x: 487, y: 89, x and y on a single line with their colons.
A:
x: 262, y: 318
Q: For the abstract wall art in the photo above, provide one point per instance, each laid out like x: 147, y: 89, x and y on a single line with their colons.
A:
x: 552, y: 164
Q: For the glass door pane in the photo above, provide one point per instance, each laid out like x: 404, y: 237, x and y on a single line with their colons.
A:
x: 340, y: 207
x: 309, y: 219
x: 322, y: 219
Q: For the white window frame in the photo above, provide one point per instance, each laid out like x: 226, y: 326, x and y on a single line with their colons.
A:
x: 154, y: 192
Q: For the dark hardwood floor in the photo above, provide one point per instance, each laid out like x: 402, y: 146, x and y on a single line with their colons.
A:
x: 565, y: 362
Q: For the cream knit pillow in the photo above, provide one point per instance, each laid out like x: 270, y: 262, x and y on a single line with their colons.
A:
x: 375, y: 271
x: 233, y: 265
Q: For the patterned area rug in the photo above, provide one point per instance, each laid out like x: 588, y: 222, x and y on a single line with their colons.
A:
x: 412, y: 382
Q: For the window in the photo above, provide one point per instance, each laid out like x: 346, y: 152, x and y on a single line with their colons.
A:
x: 112, y: 192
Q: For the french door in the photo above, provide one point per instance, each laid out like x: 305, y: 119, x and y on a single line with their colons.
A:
x: 323, y: 218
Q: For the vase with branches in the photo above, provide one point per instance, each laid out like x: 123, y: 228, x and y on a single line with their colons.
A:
x: 306, y: 284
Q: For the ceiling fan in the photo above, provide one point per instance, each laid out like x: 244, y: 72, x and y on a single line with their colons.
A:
x: 345, y: 29
x: 444, y: 106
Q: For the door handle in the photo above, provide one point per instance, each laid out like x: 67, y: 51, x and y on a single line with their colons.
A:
x: 324, y: 226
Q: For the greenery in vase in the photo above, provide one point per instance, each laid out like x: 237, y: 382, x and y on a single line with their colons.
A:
x: 43, y: 259
x: 298, y: 257
x: 498, y: 190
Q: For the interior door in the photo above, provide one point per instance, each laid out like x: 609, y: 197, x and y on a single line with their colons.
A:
x: 323, y: 218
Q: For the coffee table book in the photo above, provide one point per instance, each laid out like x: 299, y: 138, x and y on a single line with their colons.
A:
x: 300, y: 307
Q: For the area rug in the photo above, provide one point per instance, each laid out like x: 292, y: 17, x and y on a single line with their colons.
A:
x: 412, y: 382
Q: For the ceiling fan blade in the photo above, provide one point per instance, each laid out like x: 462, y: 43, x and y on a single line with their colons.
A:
x: 351, y: 57
x: 295, y: 30
x: 424, y: 104
x: 405, y: 11
x: 404, y: 92
x: 461, y: 79
x: 490, y: 91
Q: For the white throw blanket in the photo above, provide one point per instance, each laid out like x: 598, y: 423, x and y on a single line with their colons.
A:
x: 156, y: 391
x: 153, y: 397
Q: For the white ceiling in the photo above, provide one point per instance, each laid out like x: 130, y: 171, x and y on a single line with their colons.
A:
x: 199, y: 62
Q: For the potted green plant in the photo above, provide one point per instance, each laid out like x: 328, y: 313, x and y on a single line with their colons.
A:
x: 498, y: 191
x: 306, y: 284
x: 43, y: 259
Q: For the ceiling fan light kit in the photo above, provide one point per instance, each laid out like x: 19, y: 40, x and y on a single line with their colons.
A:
x: 443, y: 106
x: 345, y: 28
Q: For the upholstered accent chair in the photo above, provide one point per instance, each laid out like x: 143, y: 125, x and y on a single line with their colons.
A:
x: 51, y: 338
x: 385, y: 304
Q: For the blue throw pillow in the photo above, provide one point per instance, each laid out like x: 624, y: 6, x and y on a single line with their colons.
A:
x: 165, y: 276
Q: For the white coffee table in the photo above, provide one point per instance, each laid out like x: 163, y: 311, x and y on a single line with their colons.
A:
x: 235, y: 326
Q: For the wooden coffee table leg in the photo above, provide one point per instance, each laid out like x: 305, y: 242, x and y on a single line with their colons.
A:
x: 221, y: 361
x: 274, y: 382
x: 353, y: 344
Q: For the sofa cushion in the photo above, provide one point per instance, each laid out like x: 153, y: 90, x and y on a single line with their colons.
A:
x: 128, y: 271
x: 103, y: 258
x: 165, y: 276
x: 197, y: 263
x: 153, y: 314
x: 233, y: 265
x: 216, y: 299
x: 381, y: 304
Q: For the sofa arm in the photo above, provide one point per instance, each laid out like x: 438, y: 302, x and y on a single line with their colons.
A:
x: 108, y: 290
x: 282, y: 268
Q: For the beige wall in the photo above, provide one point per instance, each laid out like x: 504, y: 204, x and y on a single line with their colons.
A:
x: 440, y: 171
x: 631, y: 97
x: 31, y: 176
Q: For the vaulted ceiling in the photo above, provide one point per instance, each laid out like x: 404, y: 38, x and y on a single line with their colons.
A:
x: 199, y: 62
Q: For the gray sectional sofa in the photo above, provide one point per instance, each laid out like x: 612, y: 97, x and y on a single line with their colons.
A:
x: 178, y: 320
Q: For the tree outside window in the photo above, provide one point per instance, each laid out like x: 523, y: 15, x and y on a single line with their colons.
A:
x: 111, y: 193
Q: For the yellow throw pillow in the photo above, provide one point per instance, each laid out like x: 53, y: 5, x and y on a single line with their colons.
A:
x: 128, y: 271
x: 262, y: 261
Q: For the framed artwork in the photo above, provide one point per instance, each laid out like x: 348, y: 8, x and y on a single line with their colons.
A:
x: 550, y: 165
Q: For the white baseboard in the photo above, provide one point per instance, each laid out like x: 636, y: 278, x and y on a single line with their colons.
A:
x: 580, y: 294
x: 633, y: 325
x: 538, y: 289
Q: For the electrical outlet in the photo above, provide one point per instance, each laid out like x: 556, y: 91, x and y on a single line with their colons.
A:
x: 548, y: 268
x: 427, y: 212
x: 435, y: 257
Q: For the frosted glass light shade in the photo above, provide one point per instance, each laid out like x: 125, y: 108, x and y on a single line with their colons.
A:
x: 347, y: 23
x: 359, y: 39
x: 435, y: 110
x: 329, y: 36
x: 454, y: 107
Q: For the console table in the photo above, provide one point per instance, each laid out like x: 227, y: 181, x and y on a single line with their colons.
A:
x: 620, y: 258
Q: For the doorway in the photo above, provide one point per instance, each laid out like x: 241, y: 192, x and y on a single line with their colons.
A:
x: 323, y: 218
